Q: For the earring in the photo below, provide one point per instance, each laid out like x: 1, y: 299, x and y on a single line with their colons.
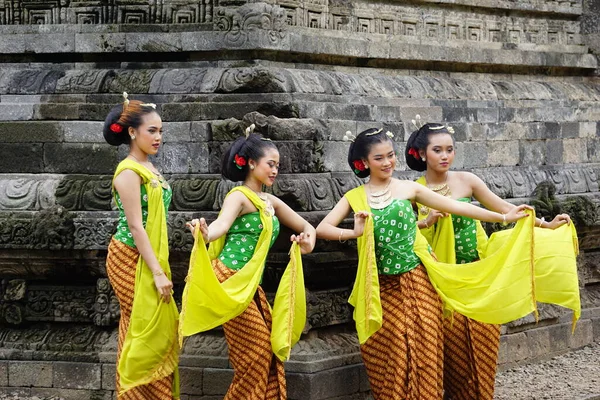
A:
x: 252, y: 167
x: 132, y: 136
x: 423, y: 159
x: 366, y: 167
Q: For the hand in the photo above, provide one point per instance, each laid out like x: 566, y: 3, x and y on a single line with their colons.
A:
x: 559, y: 220
x: 304, y: 241
x: 359, y: 222
x: 164, y: 286
x: 203, y: 228
x: 517, y: 213
x: 433, y: 217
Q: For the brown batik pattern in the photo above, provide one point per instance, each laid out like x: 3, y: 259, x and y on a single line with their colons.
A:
x: 121, y: 265
x: 404, y: 358
x: 470, y: 358
x: 258, y: 374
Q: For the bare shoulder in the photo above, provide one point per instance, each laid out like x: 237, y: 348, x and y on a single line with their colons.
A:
x: 126, y: 178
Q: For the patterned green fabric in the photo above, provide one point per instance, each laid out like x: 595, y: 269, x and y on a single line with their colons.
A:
x: 395, y: 230
x: 123, y: 233
x: 465, y: 237
x: 242, y: 239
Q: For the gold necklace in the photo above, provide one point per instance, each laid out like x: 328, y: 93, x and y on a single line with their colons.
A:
x: 268, y: 210
x: 380, y: 199
x: 153, y: 182
x: 442, y: 189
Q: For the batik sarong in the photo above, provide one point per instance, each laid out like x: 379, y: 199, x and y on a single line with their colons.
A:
x: 121, y: 266
x: 258, y: 373
x: 404, y: 358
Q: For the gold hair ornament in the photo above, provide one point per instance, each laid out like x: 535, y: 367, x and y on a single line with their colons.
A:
x: 417, y: 123
x: 447, y: 127
x: 374, y: 133
x: 148, y: 105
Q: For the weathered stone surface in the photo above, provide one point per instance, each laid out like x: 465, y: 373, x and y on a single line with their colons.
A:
x: 88, y: 375
x: 26, y: 374
x: 94, y: 159
x: 513, y: 348
x: 335, y: 382
x: 71, y: 394
x: 216, y: 381
x: 3, y: 373
x: 22, y: 158
x: 109, y: 374
x: 191, y: 380
x: 583, y: 335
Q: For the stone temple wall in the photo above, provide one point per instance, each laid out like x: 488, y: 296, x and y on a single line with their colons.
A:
x: 517, y: 80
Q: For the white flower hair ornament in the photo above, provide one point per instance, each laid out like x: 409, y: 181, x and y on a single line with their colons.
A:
x: 389, y: 134
x: 349, y: 137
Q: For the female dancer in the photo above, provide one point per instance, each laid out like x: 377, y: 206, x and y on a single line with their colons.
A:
x: 470, y: 347
x: 137, y: 263
x: 249, y: 217
x: 404, y: 355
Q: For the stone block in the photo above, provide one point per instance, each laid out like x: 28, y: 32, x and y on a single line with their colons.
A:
x: 476, y: 132
x: 364, y: 384
x: 150, y: 42
x: 17, y: 112
x: 505, y: 131
x: 50, y: 43
x: 80, y: 158
x: 15, y: 43
x: 323, y: 385
x: 506, y: 114
x: 15, y: 392
x: 31, y: 131
x: 427, y: 114
x: 100, y: 43
x: 458, y: 114
x: 531, y: 153
x: 487, y: 115
x: 569, y: 130
x: 587, y: 129
x: 176, y: 132
x: 89, y: 376
x: 216, y: 381
x: 545, y: 130
x: 82, y: 131
x: 22, y: 158
x: 538, y: 341
x: 505, y: 153
x: 335, y: 156
x: 513, y: 348
x: 559, y: 337
x: 27, y: 374
x: 109, y: 376
x: 386, y: 113
x: 200, y: 131
x: 337, y: 128
x: 71, y: 394
x: 583, y: 335
x: 475, y: 154
x: 596, y: 328
x: 554, y: 152
x: 183, y: 158
x: 191, y: 380
x: 3, y: 373
x: 575, y: 151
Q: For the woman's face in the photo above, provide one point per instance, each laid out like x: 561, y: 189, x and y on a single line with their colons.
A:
x: 440, y: 152
x: 148, y: 136
x: 267, y: 167
x: 381, y: 159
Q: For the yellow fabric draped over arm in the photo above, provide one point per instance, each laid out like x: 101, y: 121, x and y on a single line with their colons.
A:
x: 150, y: 351
x: 365, y: 297
x: 498, y: 289
x: 208, y: 303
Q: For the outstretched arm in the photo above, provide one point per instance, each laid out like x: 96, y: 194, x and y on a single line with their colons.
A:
x: 306, y: 236
x: 328, y: 229
x: 495, y: 203
x: 433, y: 200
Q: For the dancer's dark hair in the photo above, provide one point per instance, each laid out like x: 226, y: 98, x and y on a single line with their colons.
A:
x: 419, y: 140
x: 235, y: 160
x: 123, y: 116
x: 361, y: 146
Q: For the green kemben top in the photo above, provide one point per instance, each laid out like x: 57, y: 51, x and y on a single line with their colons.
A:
x: 395, y: 230
x: 242, y: 238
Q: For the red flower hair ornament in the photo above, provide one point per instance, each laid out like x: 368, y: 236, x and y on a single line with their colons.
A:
x: 359, y: 166
x: 116, y: 128
x: 239, y: 161
x: 414, y: 152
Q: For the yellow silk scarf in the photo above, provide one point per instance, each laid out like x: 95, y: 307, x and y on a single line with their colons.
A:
x: 502, y: 287
x: 208, y: 303
x: 150, y: 351
x: 441, y: 236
